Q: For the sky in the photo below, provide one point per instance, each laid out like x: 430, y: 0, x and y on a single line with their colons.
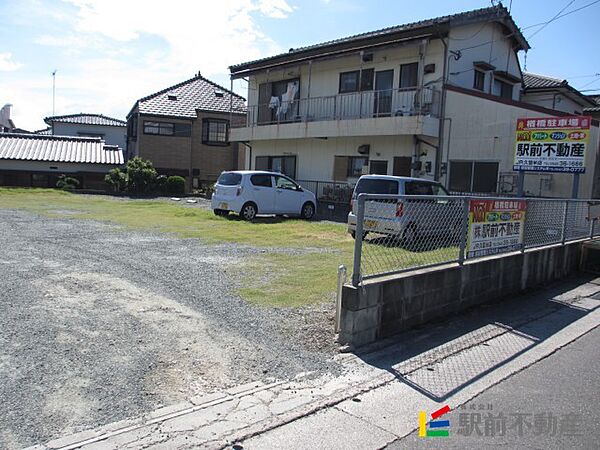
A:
x: 109, y: 53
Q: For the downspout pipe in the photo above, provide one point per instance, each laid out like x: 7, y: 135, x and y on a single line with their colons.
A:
x: 438, y: 155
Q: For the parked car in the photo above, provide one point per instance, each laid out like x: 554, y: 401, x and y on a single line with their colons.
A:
x: 409, y: 218
x: 252, y: 192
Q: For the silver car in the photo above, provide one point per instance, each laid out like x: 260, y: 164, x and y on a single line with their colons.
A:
x: 405, y: 218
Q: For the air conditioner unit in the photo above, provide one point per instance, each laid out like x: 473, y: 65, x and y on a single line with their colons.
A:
x: 364, y: 149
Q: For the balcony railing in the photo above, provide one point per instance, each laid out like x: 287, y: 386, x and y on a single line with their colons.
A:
x: 356, y: 105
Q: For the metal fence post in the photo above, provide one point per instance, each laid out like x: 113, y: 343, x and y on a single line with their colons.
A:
x: 564, y: 224
x: 464, y: 230
x: 338, y: 300
x: 358, y: 238
x: 525, y: 224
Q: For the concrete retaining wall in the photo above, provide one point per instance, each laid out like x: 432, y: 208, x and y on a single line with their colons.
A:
x: 388, y: 305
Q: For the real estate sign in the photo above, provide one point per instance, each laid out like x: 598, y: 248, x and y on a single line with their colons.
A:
x: 495, y: 226
x: 552, y: 144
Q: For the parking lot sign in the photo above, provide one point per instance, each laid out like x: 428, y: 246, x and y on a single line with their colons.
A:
x: 552, y: 144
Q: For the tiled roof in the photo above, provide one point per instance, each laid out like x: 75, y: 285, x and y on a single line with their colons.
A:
x: 533, y: 80
x: 32, y: 147
x: 183, y: 99
x: 87, y: 119
x: 596, y: 100
x: 499, y: 13
x: 46, y: 131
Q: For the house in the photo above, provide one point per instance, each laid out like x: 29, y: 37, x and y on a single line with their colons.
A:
x: 593, y: 111
x: 436, y: 99
x: 38, y: 160
x: 184, y: 130
x: 109, y: 129
x: 554, y: 93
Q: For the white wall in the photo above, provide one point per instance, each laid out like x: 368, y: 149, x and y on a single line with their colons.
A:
x: 112, y: 135
x: 481, y: 42
x: 552, y: 100
x: 484, y: 130
x: 59, y: 168
x: 315, y: 157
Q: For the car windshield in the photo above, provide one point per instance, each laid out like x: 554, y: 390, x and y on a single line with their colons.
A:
x: 229, y: 179
x: 424, y: 188
x: 376, y: 186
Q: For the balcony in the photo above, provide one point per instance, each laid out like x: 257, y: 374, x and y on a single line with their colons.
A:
x: 378, y: 113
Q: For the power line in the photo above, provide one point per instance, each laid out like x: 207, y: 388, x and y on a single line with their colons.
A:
x: 592, y: 82
x: 533, y: 26
x: 553, y: 19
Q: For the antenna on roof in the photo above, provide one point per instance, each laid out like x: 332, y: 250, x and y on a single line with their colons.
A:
x: 199, y: 74
x: 53, y: 90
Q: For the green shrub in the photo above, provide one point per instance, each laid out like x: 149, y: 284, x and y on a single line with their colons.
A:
x: 67, y: 183
x: 160, y: 184
x: 141, y: 176
x: 175, y: 185
x: 117, y: 179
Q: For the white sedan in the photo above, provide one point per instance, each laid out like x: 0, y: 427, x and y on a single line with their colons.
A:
x: 252, y: 192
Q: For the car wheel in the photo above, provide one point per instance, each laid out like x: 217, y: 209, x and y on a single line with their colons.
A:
x: 248, y: 211
x: 308, y: 211
x: 353, y: 234
x: 220, y: 212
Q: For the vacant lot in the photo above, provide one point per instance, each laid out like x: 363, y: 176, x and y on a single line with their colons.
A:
x: 112, y: 307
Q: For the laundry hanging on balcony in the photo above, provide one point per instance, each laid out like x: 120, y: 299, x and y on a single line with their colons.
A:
x: 287, y: 98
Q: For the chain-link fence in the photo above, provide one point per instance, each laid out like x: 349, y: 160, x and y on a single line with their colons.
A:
x: 397, y: 233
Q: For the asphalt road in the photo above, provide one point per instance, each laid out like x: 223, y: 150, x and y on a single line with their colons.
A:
x: 550, y: 405
x: 98, y: 324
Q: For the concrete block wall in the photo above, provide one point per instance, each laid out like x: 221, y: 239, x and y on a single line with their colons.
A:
x: 384, y: 306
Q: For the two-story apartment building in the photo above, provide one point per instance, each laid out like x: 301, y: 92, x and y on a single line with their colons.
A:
x: 109, y: 129
x: 184, y: 130
x: 436, y: 99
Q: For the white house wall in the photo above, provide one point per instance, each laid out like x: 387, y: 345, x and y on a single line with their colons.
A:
x: 56, y: 167
x: 484, y: 130
x: 112, y: 135
x: 315, y: 157
x: 481, y: 42
x: 552, y: 100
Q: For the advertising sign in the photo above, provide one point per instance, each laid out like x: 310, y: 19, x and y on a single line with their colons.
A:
x: 552, y: 144
x: 495, y: 226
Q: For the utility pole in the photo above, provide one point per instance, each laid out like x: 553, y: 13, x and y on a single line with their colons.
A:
x: 53, y: 91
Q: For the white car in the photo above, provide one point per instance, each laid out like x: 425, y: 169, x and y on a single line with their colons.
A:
x: 252, y: 192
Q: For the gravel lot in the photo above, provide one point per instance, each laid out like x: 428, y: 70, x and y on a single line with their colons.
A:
x: 98, y: 324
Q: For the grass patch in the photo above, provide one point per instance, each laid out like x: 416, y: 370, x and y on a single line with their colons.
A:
x: 272, y: 278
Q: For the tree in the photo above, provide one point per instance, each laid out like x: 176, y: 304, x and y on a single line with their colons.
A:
x: 141, y: 175
x: 117, y: 179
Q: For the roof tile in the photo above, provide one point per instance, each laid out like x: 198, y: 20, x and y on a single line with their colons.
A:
x: 191, y: 95
x: 32, y: 147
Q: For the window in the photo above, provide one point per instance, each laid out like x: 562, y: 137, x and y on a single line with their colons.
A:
x: 282, y: 164
x: 473, y: 176
x: 168, y: 129
x: 261, y: 180
x: 214, y: 132
x: 356, y: 164
x: 349, y: 81
x: 285, y: 183
x: 356, y: 81
x: 229, y: 179
x: 378, y: 167
x: 409, y: 74
x: 376, y: 186
x: 479, y: 80
x: 503, y: 89
x: 424, y: 188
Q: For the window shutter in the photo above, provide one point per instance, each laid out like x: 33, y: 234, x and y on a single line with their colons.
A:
x: 340, y: 168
